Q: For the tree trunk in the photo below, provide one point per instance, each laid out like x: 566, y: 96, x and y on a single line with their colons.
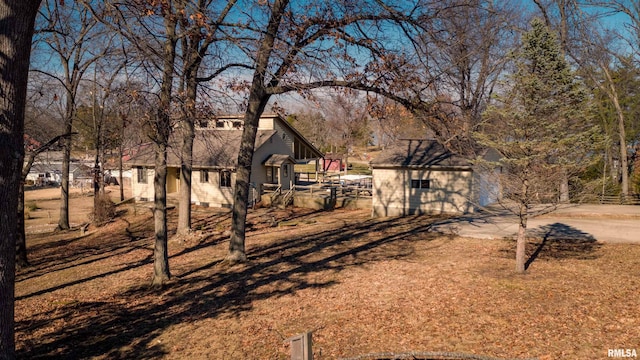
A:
x: 16, y: 25
x: 186, y: 166
x: 258, y: 99
x: 22, y: 260
x: 521, y: 241
x: 614, y: 173
x: 346, y: 161
x: 624, y: 162
x: 186, y: 169
x: 120, y: 176
x: 161, y: 272
x: 521, y: 245
x: 96, y: 178
x: 194, y: 50
x: 63, y: 221
x: 21, y: 238
x: 257, y: 103
x: 564, y: 188
x: 162, y: 127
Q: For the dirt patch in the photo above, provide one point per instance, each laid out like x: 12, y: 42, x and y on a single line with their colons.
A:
x: 361, y: 285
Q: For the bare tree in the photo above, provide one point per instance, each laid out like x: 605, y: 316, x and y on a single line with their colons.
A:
x: 290, y: 55
x: 71, y: 34
x: 151, y: 30
x: 600, y: 51
x: 17, y: 19
x: 460, y: 53
x: 258, y: 99
x: 392, y: 121
x: 31, y: 152
x: 158, y: 131
x: 347, y: 121
x: 607, y: 85
x: 131, y: 108
x: 39, y: 126
x: 101, y: 121
x: 313, y: 126
x: 200, y: 27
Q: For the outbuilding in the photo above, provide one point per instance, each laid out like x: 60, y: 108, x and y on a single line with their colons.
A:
x: 421, y: 176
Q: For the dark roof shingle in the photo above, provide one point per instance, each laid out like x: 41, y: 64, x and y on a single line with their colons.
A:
x: 211, y: 149
x: 419, y: 154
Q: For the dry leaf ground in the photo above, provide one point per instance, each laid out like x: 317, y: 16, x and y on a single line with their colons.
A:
x: 361, y: 285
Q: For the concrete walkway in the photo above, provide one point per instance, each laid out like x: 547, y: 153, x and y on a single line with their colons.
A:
x: 603, y: 223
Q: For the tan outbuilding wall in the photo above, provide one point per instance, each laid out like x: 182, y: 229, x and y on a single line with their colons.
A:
x: 433, y: 191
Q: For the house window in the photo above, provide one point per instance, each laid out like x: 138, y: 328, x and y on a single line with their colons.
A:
x: 142, y: 175
x: 225, y: 178
x: 237, y: 124
x: 219, y: 124
x: 285, y: 168
x: 204, y: 176
x: 420, y: 183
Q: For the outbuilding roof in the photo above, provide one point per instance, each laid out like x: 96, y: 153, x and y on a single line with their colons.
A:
x: 419, y: 153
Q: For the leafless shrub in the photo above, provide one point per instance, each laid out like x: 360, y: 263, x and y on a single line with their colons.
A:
x: 103, y: 209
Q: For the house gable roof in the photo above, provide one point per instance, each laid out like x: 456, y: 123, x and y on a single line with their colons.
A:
x: 419, y: 154
x: 303, y: 145
x: 215, y: 149
x: 44, y: 168
x: 303, y: 149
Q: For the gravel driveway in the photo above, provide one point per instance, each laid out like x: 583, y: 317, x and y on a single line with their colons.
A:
x: 603, y: 223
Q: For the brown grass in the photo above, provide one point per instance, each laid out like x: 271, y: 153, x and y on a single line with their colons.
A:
x: 362, y: 285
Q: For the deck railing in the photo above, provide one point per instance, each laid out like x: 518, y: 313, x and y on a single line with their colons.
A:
x: 341, y: 190
x: 273, y: 189
x: 288, y: 196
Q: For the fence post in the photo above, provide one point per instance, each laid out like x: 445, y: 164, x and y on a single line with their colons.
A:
x: 301, y: 347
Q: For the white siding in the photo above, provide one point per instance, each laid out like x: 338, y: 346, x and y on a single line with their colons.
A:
x: 450, y: 192
x: 143, y: 190
x: 210, y: 192
x: 273, y: 146
x: 285, y: 135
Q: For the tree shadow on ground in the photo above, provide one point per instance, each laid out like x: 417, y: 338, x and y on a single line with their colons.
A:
x: 125, y: 325
x: 87, y: 250
x: 76, y: 251
x: 558, y: 241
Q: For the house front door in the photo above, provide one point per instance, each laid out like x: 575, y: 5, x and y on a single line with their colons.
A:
x: 273, y: 174
x: 173, y: 180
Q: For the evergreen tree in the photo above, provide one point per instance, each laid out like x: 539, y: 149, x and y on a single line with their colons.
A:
x: 538, y: 128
